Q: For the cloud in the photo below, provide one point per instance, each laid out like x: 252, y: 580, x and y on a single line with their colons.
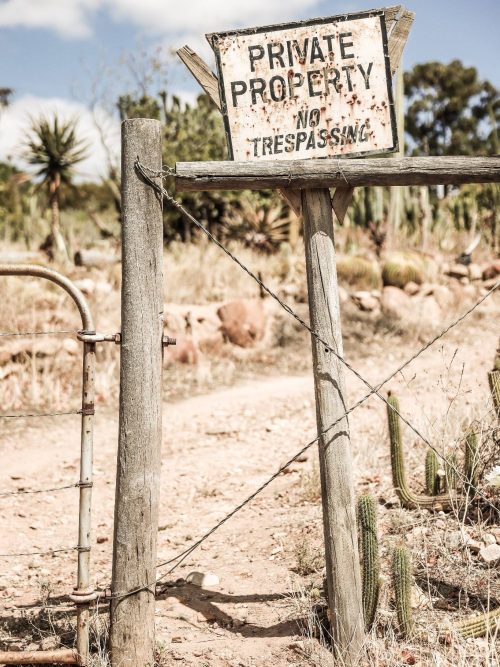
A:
x: 73, y: 18
x: 15, y: 121
x: 68, y: 18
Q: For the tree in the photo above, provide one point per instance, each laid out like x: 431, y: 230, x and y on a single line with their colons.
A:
x: 451, y: 111
x: 55, y: 149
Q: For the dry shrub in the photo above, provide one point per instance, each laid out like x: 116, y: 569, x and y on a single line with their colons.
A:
x: 358, y: 272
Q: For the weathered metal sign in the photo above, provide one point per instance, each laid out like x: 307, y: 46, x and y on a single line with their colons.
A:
x: 318, y: 88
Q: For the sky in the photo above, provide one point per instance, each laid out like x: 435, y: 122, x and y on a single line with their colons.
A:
x: 64, y: 55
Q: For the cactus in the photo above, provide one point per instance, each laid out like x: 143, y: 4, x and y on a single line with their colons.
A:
x: 494, y: 382
x: 370, y: 573
x: 431, y: 473
x: 402, y: 579
x: 408, y: 499
x: 478, y: 626
x: 450, y: 469
x: 470, y: 467
x: 399, y: 271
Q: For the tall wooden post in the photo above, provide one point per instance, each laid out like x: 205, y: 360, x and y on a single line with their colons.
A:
x: 139, y: 444
x: 339, y: 514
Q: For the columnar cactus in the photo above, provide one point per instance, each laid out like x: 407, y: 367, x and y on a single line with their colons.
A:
x: 450, y: 469
x: 494, y: 382
x: 408, y: 499
x: 402, y: 580
x: 470, y: 467
x: 478, y: 626
x: 431, y: 473
x: 370, y: 572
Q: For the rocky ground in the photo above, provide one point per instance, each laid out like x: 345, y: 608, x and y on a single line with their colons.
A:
x: 264, y: 567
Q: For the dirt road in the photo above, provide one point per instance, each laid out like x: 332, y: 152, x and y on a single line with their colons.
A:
x: 217, y: 449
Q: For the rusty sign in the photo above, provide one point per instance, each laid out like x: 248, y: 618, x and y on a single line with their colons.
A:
x: 318, y: 88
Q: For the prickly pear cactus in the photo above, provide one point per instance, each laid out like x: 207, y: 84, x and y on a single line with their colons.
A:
x: 402, y: 580
x: 370, y: 572
x: 431, y: 473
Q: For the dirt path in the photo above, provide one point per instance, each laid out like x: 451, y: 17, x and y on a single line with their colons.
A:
x: 217, y: 449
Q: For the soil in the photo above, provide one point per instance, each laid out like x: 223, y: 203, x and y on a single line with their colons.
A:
x: 217, y: 448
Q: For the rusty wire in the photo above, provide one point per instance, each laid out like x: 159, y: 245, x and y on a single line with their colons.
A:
x: 22, y: 415
x: 177, y: 560
x: 21, y: 492
x: 56, y: 332
x: 40, y: 553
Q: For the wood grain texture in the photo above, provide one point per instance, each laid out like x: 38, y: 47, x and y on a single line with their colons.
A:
x: 139, y: 442
x: 399, y: 37
x: 192, y: 176
x: 341, y: 200
x: 337, y: 488
x: 202, y: 73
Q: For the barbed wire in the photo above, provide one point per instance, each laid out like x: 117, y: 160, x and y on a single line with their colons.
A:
x: 22, y: 415
x: 21, y: 492
x: 40, y: 553
x: 373, y: 390
x: 57, y: 332
x: 179, y: 558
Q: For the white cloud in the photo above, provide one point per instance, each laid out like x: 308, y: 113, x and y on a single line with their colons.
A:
x: 68, y: 18
x: 15, y: 121
x: 73, y: 18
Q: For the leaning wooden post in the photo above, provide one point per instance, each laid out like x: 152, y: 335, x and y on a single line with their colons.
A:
x: 139, y: 444
x: 337, y: 490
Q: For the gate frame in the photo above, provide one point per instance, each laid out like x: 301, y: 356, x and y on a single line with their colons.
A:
x: 83, y: 594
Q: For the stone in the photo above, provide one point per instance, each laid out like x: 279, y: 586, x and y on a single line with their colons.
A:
x: 491, y: 271
x: 457, y: 271
x: 365, y: 301
x: 411, y: 288
x: 496, y: 533
x: 395, y: 303
x: 475, y: 272
x: 488, y: 538
x: 243, y: 321
x: 490, y: 554
x: 185, y: 351
x: 202, y: 579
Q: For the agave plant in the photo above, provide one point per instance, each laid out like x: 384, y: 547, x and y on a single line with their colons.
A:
x: 262, y: 225
x: 53, y: 146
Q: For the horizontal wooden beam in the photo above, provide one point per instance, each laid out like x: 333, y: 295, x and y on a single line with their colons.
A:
x: 253, y: 175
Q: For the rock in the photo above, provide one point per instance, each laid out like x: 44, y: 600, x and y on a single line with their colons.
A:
x: 202, y: 579
x: 86, y: 285
x: 365, y: 301
x: 395, y: 303
x: 200, y: 323
x: 49, y: 643
x: 101, y: 539
x: 457, y: 271
x: 243, y: 322
x: 343, y: 294
x: 496, y: 533
x: 491, y: 271
x: 411, y: 288
x: 475, y: 272
x: 473, y: 545
x: 419, y: 600
x: 490, y: 554
x: 444, y: 296
x: 184, y: 351
x: 488, y: 538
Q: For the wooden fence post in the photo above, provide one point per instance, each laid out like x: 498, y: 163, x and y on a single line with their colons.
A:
x: 139, y: 444
x: 337, y: 490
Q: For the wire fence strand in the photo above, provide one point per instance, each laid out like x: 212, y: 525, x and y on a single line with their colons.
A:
x: 22, y: 415
x: 21, y: 492
x: 50, y: 552
x: 58, y: 332
x: 179, y: 558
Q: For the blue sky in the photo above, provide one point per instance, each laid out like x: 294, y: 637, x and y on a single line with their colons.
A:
x: 54, y: 51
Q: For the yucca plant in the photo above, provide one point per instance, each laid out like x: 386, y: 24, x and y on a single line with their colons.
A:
x: 54, y: 148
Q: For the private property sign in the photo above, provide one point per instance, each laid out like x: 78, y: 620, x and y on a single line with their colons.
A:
x: 318, y: 88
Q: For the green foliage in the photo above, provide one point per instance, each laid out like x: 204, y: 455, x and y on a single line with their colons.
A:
x: 53, y: 147
x: 431, y: 473
x: 450, y: 110
x: 367, y: 526
x: 402, y: 581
